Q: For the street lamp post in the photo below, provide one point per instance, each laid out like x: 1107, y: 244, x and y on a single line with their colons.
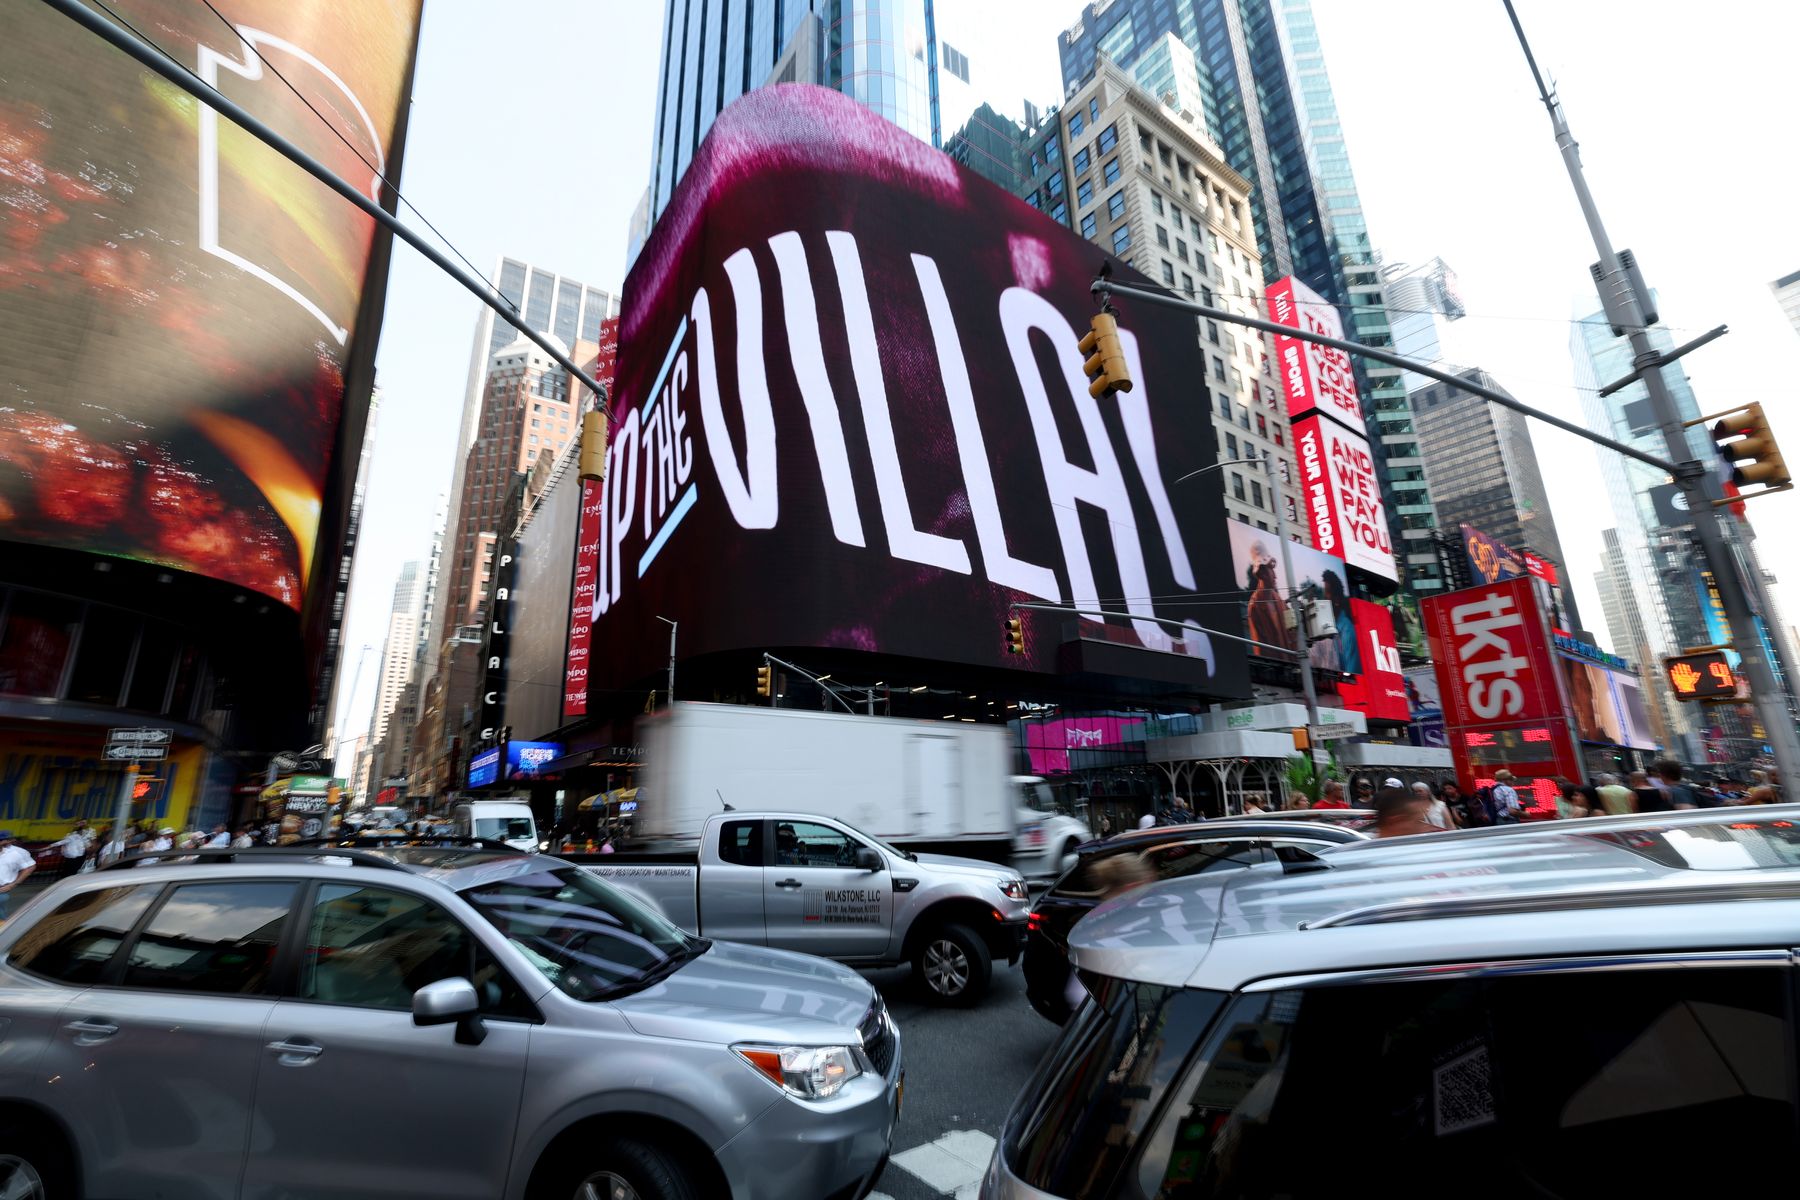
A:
x: 673, y: 627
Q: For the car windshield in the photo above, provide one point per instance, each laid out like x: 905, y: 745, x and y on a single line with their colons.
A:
x: 1739, y: 846
x: 500, y: 828
x: 590, y: 939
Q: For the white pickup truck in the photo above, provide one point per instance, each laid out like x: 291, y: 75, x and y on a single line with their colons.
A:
x: 801, y: 881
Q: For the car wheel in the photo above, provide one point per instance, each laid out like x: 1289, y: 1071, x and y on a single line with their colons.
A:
x: 1069, y: 858
x: 34, y: 1165
x: 623, y: 1169
x: 954, y: 965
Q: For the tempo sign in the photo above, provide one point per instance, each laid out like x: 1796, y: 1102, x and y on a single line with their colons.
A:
x: 1341, y: 496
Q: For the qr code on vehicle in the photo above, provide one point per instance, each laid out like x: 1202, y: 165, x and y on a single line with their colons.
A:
x: 1464, y: 1093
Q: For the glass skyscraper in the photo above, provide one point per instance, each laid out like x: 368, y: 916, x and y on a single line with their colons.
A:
x: 883, y: 53
x: 1268, y: 103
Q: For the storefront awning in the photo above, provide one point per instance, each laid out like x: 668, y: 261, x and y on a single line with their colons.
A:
x: 1201, y: 747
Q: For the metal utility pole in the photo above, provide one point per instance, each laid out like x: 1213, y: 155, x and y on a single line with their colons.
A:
x: 673, y: 626
x: 1619, y: 293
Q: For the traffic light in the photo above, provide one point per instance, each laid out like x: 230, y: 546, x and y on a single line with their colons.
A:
x: 1015, y: 636
x: 1703, y: 675
x: 1746, y: 442
x: 1105, y: 365
x: 765, y: 680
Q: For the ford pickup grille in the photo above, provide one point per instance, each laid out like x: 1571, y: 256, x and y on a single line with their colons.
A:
x: 877, y: 1037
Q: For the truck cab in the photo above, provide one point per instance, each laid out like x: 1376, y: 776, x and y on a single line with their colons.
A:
x: 508, y: 821
x: 1047, y: 835
x: 801, y: 881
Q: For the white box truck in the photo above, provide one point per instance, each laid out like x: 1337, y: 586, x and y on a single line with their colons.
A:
x: 937, y: 786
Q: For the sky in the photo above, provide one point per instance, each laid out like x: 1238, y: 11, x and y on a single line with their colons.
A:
x: 530, y: 137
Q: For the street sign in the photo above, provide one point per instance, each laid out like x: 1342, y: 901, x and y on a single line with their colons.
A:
x: 1334, y: 731
x: 140, y: 737
x: 127, y: 752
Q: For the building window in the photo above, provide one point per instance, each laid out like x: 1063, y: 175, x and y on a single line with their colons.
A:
x: 1231, y: 447
x: 1206, y: 296
x: 1051, y: 147
x: 1088, y: 226
x: 1076, y: 125
x: 1121, y: 239
x: 1094, y: 109
x: 1237, y: 486
x: 1084, y: 193
x: 1262, y: 425
x: 1168, y: 274
x: 1082, y: 161
x: 1187, y: 284
x: 1055, y: 184
x: 955, y: 61
x: 1212, y: 332
x: 1109, y: 137
x: 1224, y: 404
x: 1156, y: 204
x: 1180, y: 246
x: 1034, y: 201
x: 1060, y: 214
x: 1115, y: 205
x: 1162, y: 237
x: 1256, y: 493
x: 1111, y: 170
x: 1218, y: 371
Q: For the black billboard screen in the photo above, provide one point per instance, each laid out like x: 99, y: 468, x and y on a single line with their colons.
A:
x: 850, y: 413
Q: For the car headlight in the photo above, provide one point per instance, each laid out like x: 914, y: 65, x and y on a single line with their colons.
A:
x: 1015, y: 889
x: 806, y: 1072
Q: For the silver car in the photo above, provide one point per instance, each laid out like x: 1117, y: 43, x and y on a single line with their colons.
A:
x: 444, y: 1022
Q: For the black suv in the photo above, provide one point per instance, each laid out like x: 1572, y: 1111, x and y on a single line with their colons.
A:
x: 1147, y: 856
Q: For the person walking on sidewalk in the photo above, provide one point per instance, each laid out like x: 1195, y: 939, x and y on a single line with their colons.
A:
x: 16, y: 866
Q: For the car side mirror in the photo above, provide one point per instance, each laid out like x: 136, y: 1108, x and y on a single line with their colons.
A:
x: 451, y: 1001
x: 869, y: 859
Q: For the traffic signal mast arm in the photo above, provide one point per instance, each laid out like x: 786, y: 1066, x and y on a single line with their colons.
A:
x: 1107, y: 287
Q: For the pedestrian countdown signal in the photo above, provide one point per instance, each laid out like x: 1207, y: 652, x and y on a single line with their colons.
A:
x: 1702, y: 676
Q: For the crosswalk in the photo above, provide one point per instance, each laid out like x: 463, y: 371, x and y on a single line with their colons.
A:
x: 951, y: 1166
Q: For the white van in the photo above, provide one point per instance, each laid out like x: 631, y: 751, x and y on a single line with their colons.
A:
x: 508, y: 821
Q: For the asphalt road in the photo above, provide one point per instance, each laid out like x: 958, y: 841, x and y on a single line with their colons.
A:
x: 964, y: 1068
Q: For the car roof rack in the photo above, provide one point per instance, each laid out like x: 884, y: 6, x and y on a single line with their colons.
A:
x: 309, y: 850
x: 425, y: 841
x: 1589, y: 897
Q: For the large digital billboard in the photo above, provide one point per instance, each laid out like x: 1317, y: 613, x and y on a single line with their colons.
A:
x: 178, y: 299
x: 1489, y: 560
x: 1501, y: 690
x: 1312, y: 376
x: 1378, y: 689
x: 587, y: 552
x: 851, y: 414
x: 1341, y: 496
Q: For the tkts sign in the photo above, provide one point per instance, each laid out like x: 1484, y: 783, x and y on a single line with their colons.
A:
x: 851, y: 414
x: 1341, y: 496
x: 1502, y: 694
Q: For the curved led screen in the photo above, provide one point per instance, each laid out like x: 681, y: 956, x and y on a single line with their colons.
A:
x: 178, y: 299
x: 851, y: 413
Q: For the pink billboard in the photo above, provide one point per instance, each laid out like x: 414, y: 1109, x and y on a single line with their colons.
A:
x: 1312, y: 376
x: 1049, y: 743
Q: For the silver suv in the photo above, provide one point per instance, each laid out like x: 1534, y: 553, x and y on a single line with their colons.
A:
x: 1602, y: 1007
x: 445, y: 1022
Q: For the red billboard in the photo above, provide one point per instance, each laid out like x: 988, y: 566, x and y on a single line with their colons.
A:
x: 1498, y: 679
x: 1313, y: 377
x: 1341, y: 496
x: 1541, y: 568
x: 851, y: 414
x: 1378, y: 689
x: 178, y: 299
x: 587, y: 551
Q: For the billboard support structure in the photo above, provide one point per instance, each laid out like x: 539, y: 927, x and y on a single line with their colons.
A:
x: 153, y: 58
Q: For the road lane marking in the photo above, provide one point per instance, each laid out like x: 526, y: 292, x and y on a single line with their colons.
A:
x: 953, y: 1164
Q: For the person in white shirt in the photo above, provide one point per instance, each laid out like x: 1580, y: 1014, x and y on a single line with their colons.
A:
x: 1436, y: 811
x: 74, y: 848
x: 243, y: 841
x: 1507, y: 808
x: 164, y: 840
x: 1147, y: 821
x: 221, y: 837
x: 16, y: 866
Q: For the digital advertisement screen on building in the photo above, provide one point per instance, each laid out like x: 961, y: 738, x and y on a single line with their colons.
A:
x: 1340, y: 496
x: 1500, y: 686
x: 1313, y: 377
x: 1490, y: 561
x: 587, y: 553
x: 178, y: 299
x: 1378, y: 689
x: 851, y: 413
